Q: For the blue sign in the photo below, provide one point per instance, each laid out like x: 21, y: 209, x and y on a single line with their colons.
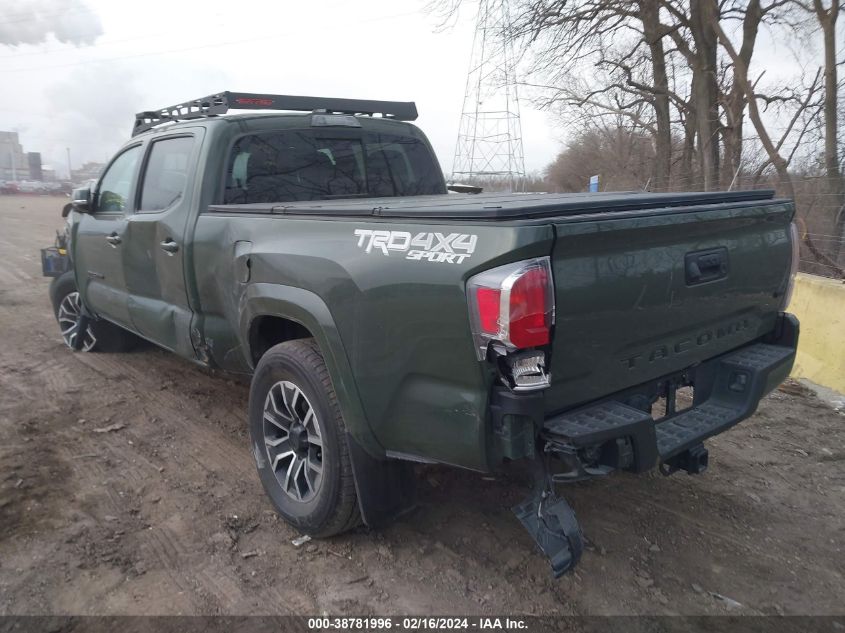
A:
x: 594, y: 183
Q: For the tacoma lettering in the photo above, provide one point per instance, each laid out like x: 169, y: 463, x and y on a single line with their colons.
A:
x: 683, y: 345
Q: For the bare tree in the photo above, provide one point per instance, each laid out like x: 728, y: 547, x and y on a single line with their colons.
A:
x: 703, y: 14
x: 648, y: 12
x: 623, y: 153
x: 827, y: 18
x: 774, y: 151
x: 734, y: 101
x: 624, y: 40
x: 679, y: 73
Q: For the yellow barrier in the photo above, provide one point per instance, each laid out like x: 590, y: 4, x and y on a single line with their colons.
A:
x: 819, y: 303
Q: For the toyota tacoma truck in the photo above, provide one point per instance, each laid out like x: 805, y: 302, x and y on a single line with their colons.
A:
x: 386, y: 321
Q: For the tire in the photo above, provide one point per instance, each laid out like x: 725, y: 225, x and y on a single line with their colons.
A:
x: 295, y: 426
x: 101, y: 336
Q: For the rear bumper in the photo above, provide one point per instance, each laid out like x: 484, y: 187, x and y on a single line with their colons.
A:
x: 620, y: 433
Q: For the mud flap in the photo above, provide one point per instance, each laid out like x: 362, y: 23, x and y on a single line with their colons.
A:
x: 82, y: 324
x: 386, y: 488
x: 552, y: 524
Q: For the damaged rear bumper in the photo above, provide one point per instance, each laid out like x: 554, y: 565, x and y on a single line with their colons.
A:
x: 616, y: 434
x: 619, y: 433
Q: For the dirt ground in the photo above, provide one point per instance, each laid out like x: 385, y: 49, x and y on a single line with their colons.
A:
x: 165, y: 515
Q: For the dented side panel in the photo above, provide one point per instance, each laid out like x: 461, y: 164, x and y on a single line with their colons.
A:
x: 387, y: 299
x: 155, y: 252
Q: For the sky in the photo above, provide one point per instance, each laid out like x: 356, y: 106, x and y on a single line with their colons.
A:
x: 75, y: 75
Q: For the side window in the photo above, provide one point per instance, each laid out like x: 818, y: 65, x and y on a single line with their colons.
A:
x: 117, y: 182
x: 166, y: 174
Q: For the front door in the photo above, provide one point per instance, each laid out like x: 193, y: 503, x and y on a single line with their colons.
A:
x: 154, y: 258
x: 100, y: 239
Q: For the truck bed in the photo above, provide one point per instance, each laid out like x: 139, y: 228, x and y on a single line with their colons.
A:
x: 630, y: 306
x: 501, y: 206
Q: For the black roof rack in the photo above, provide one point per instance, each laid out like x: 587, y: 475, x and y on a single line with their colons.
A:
x: 222, y: 102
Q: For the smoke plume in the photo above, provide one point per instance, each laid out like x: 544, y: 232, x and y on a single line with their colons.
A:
x: 33, y: 21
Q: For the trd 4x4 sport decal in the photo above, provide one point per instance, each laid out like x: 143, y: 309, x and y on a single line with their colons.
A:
x: 451, y: 248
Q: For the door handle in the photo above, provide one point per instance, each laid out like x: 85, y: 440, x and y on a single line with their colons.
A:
x: 113, y: 239
x: 704, y: 266
x: 169, y: 246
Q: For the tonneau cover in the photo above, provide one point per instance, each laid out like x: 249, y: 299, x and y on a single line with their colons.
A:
x: 498, y: 206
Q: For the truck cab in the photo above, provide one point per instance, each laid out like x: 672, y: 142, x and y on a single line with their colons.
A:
x: 134, y: 240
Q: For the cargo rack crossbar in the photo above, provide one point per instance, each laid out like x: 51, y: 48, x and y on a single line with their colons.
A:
x: 222, y: 102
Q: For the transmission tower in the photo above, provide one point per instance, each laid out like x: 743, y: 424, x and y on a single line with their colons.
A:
x: 490, y: 133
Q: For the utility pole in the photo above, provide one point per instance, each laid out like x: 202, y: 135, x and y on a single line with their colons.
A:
x: 69, y: 170
x: 490, y: 132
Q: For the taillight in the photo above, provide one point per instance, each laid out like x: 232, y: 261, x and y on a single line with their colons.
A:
x: 530, y: 313
x: 487, y: 300
x: 796, y: 250
x: 512, y: 306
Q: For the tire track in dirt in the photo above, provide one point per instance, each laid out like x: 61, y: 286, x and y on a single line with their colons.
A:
x: 209, y: 454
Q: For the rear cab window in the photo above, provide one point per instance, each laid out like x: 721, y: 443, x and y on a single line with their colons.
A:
x: 297, y: 165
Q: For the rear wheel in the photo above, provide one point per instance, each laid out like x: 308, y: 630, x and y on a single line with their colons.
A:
x: 100, y: 336
x: 298, y: 441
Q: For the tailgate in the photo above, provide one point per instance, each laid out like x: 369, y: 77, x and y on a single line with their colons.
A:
x: 639, y: 296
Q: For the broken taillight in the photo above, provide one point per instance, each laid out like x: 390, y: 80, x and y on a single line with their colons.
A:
x: 512, y: 306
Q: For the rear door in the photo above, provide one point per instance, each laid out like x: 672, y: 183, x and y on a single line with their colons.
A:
x: 100, y: 239
x: 637, y: 298
x: 154, y: 257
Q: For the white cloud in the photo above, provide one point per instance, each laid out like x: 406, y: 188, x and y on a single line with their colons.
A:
x: 85, y: 98
x: 34, y: 21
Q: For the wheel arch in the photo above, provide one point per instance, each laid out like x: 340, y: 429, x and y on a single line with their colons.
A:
x: 56, y: 284
x: 267, y: 330
x: 274, y: 313
x: 385, y: 487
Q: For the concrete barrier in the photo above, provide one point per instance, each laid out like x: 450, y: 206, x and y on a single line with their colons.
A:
x: 819, y: 303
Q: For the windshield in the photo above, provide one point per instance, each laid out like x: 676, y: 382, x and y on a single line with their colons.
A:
x: 296, y: 165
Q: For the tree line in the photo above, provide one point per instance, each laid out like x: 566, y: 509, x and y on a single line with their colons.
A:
x: 693, y: 95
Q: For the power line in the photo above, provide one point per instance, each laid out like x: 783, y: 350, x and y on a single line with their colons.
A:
x: 64, y: 49
x: 250, y: 39
x: 88, y: 62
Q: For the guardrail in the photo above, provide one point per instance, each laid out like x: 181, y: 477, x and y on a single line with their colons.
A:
x: 819, y: 303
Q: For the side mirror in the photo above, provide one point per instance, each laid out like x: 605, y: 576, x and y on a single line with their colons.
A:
x: 67, y: 209
x: 81, y: 200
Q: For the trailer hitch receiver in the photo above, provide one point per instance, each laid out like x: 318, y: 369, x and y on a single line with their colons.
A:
x: 693, y: 460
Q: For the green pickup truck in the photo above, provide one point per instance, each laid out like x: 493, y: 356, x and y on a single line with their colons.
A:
x: 386, y: 321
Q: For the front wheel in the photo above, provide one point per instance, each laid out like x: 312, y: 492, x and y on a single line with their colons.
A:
x: 297, y: 433
x: 100, y: 336
x: 68, y: 313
